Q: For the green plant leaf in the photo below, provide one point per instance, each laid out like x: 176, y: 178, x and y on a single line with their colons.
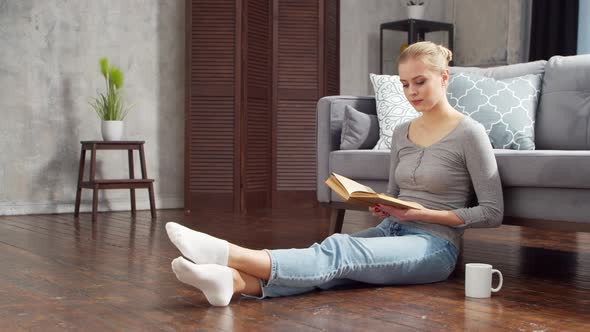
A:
x: 110, y: 105
x: 104, y: 66
x: 116, y: 77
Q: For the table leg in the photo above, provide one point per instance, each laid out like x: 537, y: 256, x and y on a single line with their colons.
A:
x: 336, y: 220
x: 94, y: 202
x: 412, y: 36
x: 80, y: 178
x: 94, y: 188
x: 92, y: 163
x: 381, y: 51
x: 131, y: 176
x: 152, y: 200
x: 142, y: 160
x: 144, y: 176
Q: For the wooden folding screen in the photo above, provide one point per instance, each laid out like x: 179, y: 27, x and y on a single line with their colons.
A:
x: 255, y: 70
x: 256, y: 115
x: 212, y: 88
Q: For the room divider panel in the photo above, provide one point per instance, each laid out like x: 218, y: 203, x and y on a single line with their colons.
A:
x: 254, y: 72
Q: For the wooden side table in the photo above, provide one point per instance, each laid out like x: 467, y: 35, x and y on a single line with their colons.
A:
x: 132, y: 183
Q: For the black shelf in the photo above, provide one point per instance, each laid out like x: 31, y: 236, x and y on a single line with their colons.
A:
x: 416, y: 30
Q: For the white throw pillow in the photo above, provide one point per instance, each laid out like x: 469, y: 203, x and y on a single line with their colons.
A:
x: 392, y: 107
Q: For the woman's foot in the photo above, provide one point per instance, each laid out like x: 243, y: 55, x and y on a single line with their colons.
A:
x: 215, y: 281
x: 199, y: 247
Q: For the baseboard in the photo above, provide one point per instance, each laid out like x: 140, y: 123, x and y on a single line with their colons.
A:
x: 86, y: 206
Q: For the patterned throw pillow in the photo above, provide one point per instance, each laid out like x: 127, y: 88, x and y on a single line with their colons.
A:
x: 506, y: 108
x: 392, y: 107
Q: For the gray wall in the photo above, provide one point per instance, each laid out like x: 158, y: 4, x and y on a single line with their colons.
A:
x: 490, y: 33
x: 48, y: 73
x: 359, y: 39
x: 584, y: 28
x: 487, y: 33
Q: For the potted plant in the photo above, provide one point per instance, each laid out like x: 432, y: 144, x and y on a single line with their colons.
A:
x: 415, y: 9
x: 110, y: 106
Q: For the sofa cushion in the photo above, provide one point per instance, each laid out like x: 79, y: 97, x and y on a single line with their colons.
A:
x: 359, y: 130
x: 393, y: 108
x: 503, y: 72
x: 544, y: 168
x: 563, y: 116
x: 361, y: 164
x: 506, y: 108
x: 528, y: 168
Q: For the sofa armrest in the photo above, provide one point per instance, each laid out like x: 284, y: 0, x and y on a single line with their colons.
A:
x: 329, y: 116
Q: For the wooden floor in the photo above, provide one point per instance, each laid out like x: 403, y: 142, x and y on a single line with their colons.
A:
x: 60, y: 273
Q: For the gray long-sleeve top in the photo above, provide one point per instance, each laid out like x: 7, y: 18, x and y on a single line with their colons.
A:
x: 445, y: 176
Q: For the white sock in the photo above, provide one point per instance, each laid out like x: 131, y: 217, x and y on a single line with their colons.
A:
x: 215, y: 281
x: 198, y: 247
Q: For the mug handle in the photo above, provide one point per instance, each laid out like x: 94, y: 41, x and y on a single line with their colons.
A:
x: 501, y: 280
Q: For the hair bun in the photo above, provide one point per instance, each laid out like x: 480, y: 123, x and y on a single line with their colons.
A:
x: 446, y: 52
x: 437, y: 57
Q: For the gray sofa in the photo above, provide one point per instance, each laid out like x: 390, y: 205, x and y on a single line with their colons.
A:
x: 546, y: 187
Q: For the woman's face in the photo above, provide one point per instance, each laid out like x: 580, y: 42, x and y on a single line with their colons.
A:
x: 423, y: 87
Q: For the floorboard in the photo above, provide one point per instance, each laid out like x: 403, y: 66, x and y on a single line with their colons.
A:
x: 65, y: 273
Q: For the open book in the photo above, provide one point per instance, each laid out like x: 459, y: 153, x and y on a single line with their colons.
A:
x: 355, y: 193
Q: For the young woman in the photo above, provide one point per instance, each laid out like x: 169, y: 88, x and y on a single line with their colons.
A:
x: 439, y: 160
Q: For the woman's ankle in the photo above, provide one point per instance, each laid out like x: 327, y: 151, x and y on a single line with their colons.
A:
x: 256, y: 263
x: 246, y: 284
x: 234, y: 255
x: 239, y: 283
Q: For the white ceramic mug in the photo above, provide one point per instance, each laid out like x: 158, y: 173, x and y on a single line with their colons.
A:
x: 478, y: 280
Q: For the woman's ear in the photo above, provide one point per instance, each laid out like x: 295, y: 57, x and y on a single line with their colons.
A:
x: 445, y: 77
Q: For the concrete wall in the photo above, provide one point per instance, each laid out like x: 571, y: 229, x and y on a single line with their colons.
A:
x: 48, y: 73
x: 584, y: 27
x: 490, y: 33
x: 487, y: 33
x: 359, y: 39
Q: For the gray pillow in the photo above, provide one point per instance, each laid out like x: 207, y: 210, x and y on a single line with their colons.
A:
x: 359, y: 130
x: 504, y: 72
x: 506, y: 108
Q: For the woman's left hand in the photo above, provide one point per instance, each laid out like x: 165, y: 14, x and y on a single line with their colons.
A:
x: 403, y: 214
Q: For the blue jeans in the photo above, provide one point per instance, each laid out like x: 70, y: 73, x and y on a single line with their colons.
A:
x: 389, y: 254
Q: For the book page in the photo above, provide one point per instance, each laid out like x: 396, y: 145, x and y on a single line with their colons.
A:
x: 337, y: 188
x: 351, y: 185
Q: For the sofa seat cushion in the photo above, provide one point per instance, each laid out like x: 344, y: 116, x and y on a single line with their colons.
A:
x: 518, y: 168
x: 544, y: 168
x: 361, y: 164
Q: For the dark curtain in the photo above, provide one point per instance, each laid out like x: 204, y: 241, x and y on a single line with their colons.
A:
x: 554, y: 28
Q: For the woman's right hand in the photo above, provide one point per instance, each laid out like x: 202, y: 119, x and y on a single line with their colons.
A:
x: 377, y: 212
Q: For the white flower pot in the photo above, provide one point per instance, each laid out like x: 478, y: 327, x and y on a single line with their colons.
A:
x: 416, y: 12
x: 112, y: 130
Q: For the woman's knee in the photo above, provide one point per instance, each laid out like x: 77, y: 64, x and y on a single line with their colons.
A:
x: 333, y: 250
x: 335, y: 240
x: 437, y: 270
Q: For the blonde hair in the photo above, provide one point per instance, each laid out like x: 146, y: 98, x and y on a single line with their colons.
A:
x: 437, y: 57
